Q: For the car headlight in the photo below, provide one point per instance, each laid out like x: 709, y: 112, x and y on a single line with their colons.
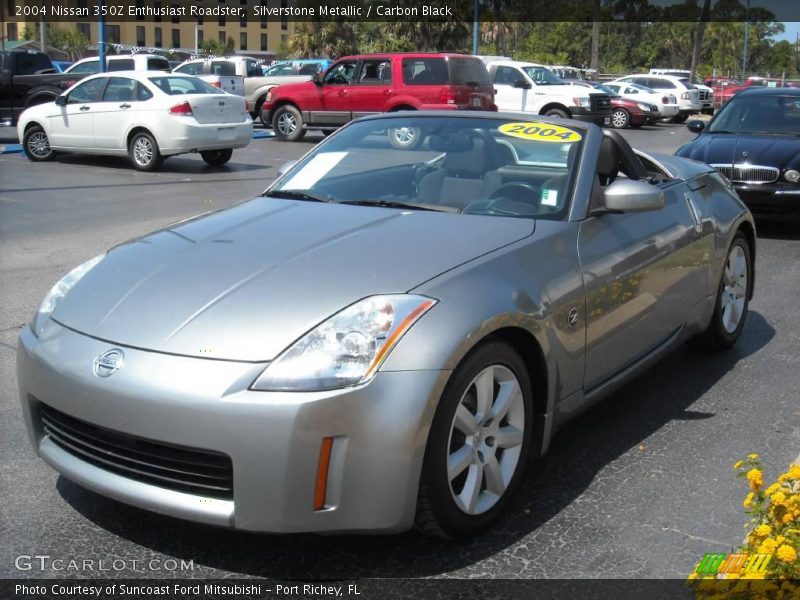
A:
x: 792, y: 176
x: 582, y: 102
x: 348, y: 348
x: 59, y: 291
x: 269, y: 96
x: 644, y: 107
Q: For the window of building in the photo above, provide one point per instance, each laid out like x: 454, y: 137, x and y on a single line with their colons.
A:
x: 199, y: 37
x: 263, y: 15
x: 141, y: 39
x: 222, y: 38
x: 176, y: 38
x: 264, y: 42
x: 12, y: 33
x: 112, y: 34
x: 84, y: 29
x: 159, y: 43
x: 284, y: 19
x: 243, y: 41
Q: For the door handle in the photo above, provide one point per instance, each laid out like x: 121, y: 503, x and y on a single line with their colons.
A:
x: 387, y: 92
x: 343, y: 92
x: 125, y: 105
x: 84, y: 108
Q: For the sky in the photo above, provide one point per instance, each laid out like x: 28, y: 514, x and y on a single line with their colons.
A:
x: 792, y: 29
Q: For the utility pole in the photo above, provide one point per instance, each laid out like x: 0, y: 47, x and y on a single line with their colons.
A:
x: 746, y: 36
x: 101, y: 44
x: 475, y: 14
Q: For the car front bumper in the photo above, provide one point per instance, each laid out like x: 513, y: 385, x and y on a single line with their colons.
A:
x: 601, y: 118
x: 273, y: 439
x: 771, y: 201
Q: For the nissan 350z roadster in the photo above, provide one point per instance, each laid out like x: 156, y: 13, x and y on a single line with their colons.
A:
x: 388, y: 334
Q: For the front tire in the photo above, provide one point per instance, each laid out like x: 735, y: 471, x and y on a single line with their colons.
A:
x: 217, y: 157
x: 287, y: 123
x: 405, y: 138
x: 478, y: 444
x: 620, y: 119
x: 36, y: 144
x: 558, y: 113
x: 144, y: 153
x: 733, y: 298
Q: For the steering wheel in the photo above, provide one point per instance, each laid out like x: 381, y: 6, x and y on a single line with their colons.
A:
x: 518, y: 192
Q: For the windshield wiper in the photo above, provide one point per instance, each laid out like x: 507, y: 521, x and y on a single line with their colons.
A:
x: 297, y: 195
x: 398, y: 204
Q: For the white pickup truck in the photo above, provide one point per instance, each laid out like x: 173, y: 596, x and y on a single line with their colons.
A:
x: 256, y: 84
x: 529, y: 87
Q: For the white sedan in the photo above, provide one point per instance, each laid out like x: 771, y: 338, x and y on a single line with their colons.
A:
x: 667, y: 103
x: 145, y: 115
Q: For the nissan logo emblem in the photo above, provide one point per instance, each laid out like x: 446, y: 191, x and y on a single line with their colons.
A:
x: 108, y: 362
x: 221, y: 103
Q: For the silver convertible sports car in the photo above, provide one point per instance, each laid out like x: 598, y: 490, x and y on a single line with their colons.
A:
x: 387, y: 334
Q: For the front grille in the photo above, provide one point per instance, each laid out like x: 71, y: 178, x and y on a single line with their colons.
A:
x: 703, y: 95
x: 742, y: 173
x: 189, y: 470
x: 600, y: 102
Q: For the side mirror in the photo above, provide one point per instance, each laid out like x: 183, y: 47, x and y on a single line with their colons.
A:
x: 286, y: 166
x: 60, y: 100
x: 318, y: 78
x: 522, y: 84
x: 631, y: 195
x: 696, y: 125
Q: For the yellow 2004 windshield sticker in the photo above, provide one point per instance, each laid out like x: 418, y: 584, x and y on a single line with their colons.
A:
x: 540, y: 132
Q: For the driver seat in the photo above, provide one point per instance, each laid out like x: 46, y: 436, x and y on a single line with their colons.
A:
x: 461, y: 179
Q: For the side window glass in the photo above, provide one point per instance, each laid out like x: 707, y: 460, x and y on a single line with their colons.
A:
x: 341, y: 73
x: 253, y: 70
x: 120, y: 89
x: 92, y: 66
x: 376, y: 72
x: 120, y: 64
x: 142, y: 93
x: 190, y: 68
x: 86, y: 92
x: 223, y: 67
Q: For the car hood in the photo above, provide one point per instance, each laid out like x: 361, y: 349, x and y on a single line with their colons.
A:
x: 244, y: 283
x: 778, y: 151
x: 287, y: 89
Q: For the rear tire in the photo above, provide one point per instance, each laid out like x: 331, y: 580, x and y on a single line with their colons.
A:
x: 405, y: 138
x: 468, y: 478
x: 36, y: 144
x: 217, y: 157
x: 287, y: 123
x: 143, y: 152
x: 733, y: 298
x: 679, y: 118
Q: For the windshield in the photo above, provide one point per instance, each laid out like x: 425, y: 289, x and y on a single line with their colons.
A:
x: 642, y: 88
x: 492, y: 167
x: 757, y: 113
x: 606, y: 90
x: 176, y: 85
x: 543, y: 76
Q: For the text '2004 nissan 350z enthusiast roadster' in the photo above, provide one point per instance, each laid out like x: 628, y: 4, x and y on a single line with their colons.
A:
x: 386, y: 335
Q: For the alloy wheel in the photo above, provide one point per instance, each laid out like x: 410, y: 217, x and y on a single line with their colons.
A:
x: 486, y: 438
x: 734, y: 289
x: 142, y: 151
x: 39, y: 145
x: 287, y: 123
x: 619, y: 118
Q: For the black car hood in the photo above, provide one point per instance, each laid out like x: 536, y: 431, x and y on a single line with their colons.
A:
x: 778, y: 151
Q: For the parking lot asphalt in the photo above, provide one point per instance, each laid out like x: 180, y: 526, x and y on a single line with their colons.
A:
x: 641, y: 486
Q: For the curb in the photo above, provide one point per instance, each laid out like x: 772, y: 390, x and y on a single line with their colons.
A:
x: 17, y: 148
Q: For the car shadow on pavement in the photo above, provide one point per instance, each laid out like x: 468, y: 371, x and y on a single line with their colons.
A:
x: 577, y: 454
x: 176, y: 164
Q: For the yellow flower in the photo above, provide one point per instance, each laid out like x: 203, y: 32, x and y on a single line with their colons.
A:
x: 752, y: 456
x: 738, y: 465
x: 772, y: 489
x: 778, y: 499
x: 780, y: 539
x: 763, y: 530
x: 748, y: 501
x: 755, y: 479
x: 786, y: 554
x: 767, y: 546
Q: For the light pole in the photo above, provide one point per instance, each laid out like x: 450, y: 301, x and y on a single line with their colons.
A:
x: 101, y: 45
x: 475, y: 13
x: 746, y: 36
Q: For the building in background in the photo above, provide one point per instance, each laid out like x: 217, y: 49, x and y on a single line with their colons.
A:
x: 259, y: 37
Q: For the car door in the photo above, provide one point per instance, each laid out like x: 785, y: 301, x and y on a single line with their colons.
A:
x: 643, y: 272
x: 335, y: 103
x: 115, y: 113
x: 372, y: 88
x: 72, y: 125
x: 509, y: 94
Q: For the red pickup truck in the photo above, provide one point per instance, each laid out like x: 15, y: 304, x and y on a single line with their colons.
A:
x: 355, y: 86
x: 725, y: 89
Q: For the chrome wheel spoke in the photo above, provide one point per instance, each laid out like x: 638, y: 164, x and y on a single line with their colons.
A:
x: 472, y: 487
x: 484, y: 387
x: 459, y: 460
x: 508, y: 394
x: 734, y: 289
x: 494, y: 477
x: 465, y: 421
x: 508, y: 437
